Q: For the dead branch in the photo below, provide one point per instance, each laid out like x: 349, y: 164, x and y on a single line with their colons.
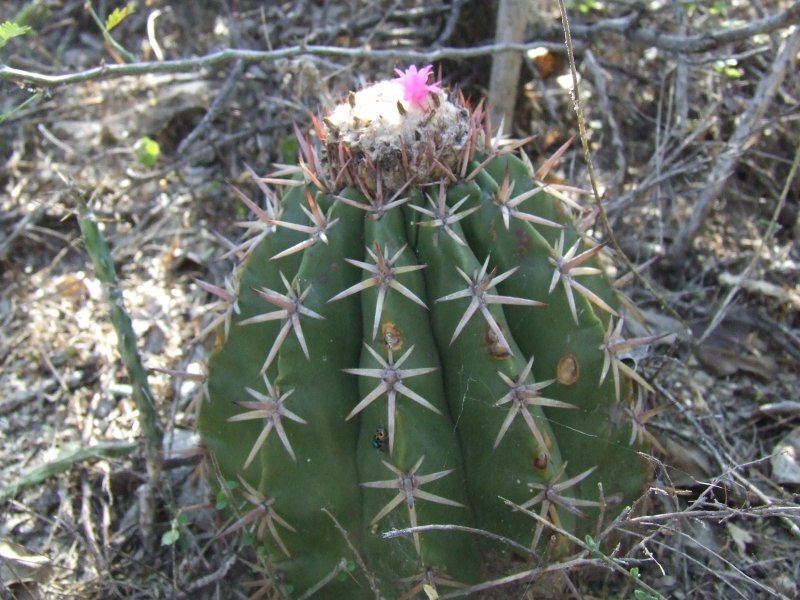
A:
x: 683, y: 44
x: 738, y: 143
x: 504, y: 78
x: 625, y: 26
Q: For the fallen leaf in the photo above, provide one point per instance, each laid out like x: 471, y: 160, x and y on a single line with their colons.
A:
x: 722, y: 362
x: 735, y: 345
x: 784, y: 408
x: 430, y: 591
x: 18, y: 565
x: 785, y: 459
x: 741, y: 537
x: 688, y: 465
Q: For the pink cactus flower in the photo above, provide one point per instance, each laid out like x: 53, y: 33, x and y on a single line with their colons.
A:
x: 415, y: 84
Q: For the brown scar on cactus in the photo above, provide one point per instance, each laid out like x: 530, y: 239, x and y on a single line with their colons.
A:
x: 496, y: 348
x: 568, y: 370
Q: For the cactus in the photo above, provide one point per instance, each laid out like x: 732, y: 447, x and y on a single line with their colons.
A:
x: 419, y: 333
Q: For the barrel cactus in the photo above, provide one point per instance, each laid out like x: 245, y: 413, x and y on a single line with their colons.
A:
x: 419, y: 333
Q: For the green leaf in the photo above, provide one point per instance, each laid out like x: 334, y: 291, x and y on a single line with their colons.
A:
x: 719, y: 8
x: 10, y: 29
x: 174, y: 534
x: 170, y: 537
x: 593, y: 545
x: 728, y: 68
x: 118, y: 14
x: 147, y: 151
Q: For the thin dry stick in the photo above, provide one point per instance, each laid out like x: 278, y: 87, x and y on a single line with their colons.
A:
x: 341, y: 567
x: 523, y: 576
x: 625, y: 26
x: 680, y: 92
x: 692, y: 43
x: 452, y: 21
x: 723, y: 309
x: 613, y: 564
x: 723, y: 513
x: 214, y: 109
x: 86, y: 523
x: 188, y: 65
x: 593, y: 178
x: 599, y: 78
x: 207, y: 580
x: 361, y: 564
x: 393, y: 533
x: 504, y: 78
x: 741, y: 139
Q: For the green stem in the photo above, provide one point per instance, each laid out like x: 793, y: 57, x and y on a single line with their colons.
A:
x: 64, y: 461
x: 10, y: 113
x: 98, y: 249
x: 107, y: 36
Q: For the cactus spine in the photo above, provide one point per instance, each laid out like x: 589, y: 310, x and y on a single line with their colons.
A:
x: 418, y: 330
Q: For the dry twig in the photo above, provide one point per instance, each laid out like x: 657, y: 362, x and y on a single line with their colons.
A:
x: 625, y: 26
x: 512, y: 18
x: 748, y: 127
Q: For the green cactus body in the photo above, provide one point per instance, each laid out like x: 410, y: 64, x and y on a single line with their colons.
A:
x: 403, y: 355
x: 498, y: 465
x: 414, y: 435
x: 594, y: 433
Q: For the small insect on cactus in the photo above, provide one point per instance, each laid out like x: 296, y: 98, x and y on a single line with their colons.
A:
x: 419, y: 333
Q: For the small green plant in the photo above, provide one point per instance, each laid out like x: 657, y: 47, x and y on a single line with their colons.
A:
x: 645, y: 592
x: 584, y: 6
x: 114, y: 19
x: 173, y: 534
x: 718, y: 8
x: 118, y: 15
x: 729, y: 68
x: 224, y: 495
x: 147, y: 151
x: 10, y: 30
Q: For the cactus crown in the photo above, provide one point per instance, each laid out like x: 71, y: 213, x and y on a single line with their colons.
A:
x: 399, y: 133
x: 418, y: 334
